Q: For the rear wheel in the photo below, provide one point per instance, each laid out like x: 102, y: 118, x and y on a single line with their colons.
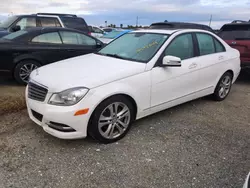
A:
x: 23, y: 70
x: 112, y: 119
x: 223, y: 87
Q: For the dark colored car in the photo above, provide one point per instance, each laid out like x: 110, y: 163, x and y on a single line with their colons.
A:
x: 19, y: 22
x: 180, y: 25
x: 237, y: 35
x: 25, y: 50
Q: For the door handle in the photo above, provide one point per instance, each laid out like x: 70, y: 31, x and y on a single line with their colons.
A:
x: 192, y: 66
x: 221, y: 57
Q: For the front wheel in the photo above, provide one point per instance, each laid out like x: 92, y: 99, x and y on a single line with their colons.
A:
x: 223, y: 87
x: 112, y: 119
x: 23, y: 70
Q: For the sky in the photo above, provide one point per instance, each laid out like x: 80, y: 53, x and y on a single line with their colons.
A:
x: 96, y: 12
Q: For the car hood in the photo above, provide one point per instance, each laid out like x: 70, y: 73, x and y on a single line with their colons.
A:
x: 89, y: 71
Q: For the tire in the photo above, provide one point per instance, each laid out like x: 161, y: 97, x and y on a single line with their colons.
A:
x: 106, y: 129
x: 223, y: 87
x: 23, y: 70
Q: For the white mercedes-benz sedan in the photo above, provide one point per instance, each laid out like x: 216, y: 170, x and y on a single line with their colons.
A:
x: 138, y: 74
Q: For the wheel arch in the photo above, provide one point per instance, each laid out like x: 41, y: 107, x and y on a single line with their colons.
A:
x: 129, y: 97
x: 218, y: 79
x: 24, y: 58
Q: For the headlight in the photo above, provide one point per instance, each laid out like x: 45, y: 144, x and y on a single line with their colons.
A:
x: 68, y: 97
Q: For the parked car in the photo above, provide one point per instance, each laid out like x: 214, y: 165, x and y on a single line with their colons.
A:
x: 108, y: 37
x: 25, y: 50
x: 96, y: 31
x: 108, y: 29
x: 19, y: 22
x: 138, y: 74
x: 180, y: 25
x: 237, y: 35
x: 247, y: 182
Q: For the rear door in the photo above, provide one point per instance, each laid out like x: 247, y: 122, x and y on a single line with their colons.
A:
x: 48, y: 47
x: 77, y: 44
x: 212, y: 56
x: 238, y: 37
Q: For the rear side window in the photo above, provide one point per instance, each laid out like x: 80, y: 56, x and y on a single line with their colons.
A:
x: 182, y: 47
x: 49, y: 22
x: 52, y: 38
x: 75, y: 23
x: 235, y: 32
x: 76, y: 38
x: 218, y: 46
x: 205, y: 43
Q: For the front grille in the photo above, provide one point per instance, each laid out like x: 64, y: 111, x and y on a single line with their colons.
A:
x: 37, y: 92
x: 38, y: 116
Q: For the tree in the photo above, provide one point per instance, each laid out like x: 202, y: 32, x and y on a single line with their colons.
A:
x: 121, y: 25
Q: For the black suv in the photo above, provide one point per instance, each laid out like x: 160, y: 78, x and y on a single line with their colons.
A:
x: 179, y: 25
x: 15, y: 23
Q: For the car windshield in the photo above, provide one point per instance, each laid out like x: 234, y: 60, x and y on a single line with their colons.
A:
x: 14, y: 35
x: 137, y: 46
x: 112, y: 34
x: 7, y: 23
x: 239, y: 32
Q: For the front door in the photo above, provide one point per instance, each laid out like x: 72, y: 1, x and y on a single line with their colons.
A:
x: 172, y: 84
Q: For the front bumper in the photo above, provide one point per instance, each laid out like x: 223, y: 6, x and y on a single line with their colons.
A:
x: 45, y: 114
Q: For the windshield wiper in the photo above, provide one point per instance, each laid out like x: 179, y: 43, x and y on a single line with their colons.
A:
x: 115, y: 56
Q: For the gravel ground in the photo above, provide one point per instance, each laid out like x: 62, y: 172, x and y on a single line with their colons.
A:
x: 198, y: 144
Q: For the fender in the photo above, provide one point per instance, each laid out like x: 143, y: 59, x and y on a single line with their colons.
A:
x: 128, y: 88
x: 26, y: 57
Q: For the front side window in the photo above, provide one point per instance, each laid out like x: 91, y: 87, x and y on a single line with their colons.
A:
x: 205, y: 43
x: 76, y: 38
x: 28, y: 22
x: 182, y: 47
x: 52, y: 38
x: 139, y: 47
x: 49, y: 22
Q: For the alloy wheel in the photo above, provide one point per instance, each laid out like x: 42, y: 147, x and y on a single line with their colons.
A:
x: 225, y: 86
x: 25, y: 71
x: 114, y: 120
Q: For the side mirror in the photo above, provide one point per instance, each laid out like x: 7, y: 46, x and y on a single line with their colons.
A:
x: 16, y: 28
x: 171, y: 61
x: 99, y: 44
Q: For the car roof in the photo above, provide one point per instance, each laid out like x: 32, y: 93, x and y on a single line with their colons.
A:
x: 168, y: 31
x: 160, y: 31
x: 180, y: 25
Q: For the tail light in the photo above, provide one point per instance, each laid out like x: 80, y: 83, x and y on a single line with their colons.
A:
x: 89, y: 33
